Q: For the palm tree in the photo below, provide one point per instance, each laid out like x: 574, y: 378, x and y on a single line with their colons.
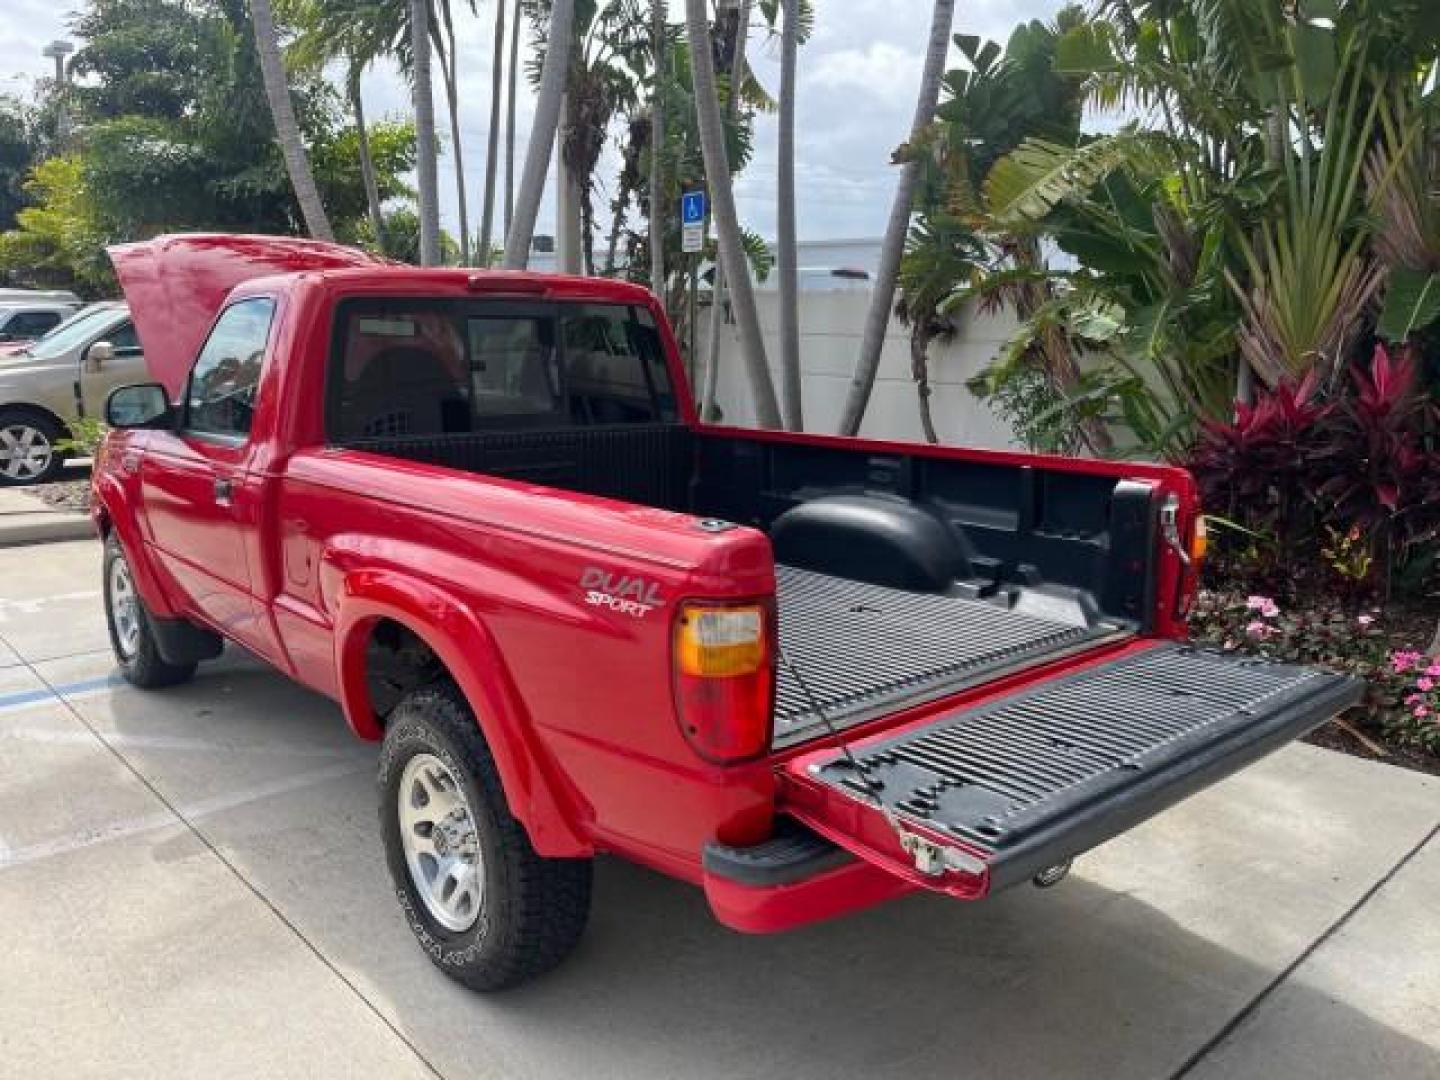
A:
x: 727, y: 222
x: 492, y: 150
x: 708, y: 406
x: 356, y: 35
x: 786, y: 254
x: 881, y: 301
x: 287, y: 129
x: 425, y: 166
x: 657, y: 147
x: 542, y: 135
x: 513, y: 79
x: 445, y: 51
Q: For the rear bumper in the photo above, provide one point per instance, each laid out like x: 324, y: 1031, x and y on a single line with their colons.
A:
x: 795, y: 879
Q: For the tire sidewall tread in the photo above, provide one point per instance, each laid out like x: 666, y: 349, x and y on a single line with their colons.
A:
x: 534, y: 909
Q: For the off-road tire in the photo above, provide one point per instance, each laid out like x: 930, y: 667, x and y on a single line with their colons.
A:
x: 143, y: 666
x: 533, y: 910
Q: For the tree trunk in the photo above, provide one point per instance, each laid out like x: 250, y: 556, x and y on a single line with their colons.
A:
x: 658, y: 200
x: 542, y: 135
x: 920, y: 372
x: 492, y: 148
x: 877, y: 319
x: 448, y: 62
x: 727, y: 221
x: 709, y: 407
x: 287, y: 129
x: 427, y: 183
x: 569, y: 210
x: 790, y: 374
x: 367, y: 163
x: 512, y: 78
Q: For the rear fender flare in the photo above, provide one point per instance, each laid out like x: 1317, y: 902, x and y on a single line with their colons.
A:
x: 537, y: 796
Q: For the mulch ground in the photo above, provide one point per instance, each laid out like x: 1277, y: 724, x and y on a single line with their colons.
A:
x: 71, y: 495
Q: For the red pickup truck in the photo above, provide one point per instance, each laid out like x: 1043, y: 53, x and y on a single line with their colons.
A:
x: 805, y: 673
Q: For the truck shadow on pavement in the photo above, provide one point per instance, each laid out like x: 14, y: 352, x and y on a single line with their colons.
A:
x: 1076, y: 981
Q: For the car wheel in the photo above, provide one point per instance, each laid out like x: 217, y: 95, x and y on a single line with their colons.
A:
x: 487, y: 910
x: 28, y: 451
x: 132, y: 638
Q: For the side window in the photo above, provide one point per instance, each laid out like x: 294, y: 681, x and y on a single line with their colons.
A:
x: 220, y: 398
x: 125, y: 340
x: 31, y: 324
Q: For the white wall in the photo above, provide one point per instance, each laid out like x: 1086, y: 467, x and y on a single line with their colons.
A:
x: 830, y: 329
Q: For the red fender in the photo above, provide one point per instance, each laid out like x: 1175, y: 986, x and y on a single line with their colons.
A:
x: 109, y: 510
x: 538, y: 796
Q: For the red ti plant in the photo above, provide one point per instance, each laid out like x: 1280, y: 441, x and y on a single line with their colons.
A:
x: 1373, y: 465
x: 1254, y: 469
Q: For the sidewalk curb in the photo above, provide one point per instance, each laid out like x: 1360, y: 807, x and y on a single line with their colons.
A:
x: 50, y: 529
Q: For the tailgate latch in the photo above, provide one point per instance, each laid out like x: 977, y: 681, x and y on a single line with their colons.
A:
x: 932, y: 859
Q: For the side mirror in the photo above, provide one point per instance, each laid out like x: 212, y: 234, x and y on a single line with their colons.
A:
x: 98, y: 355
x: 141, y: 405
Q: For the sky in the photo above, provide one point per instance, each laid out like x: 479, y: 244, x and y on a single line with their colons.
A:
x: 857, y: 80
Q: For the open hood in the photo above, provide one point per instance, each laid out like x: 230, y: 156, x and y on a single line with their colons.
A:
x: 177, y: 284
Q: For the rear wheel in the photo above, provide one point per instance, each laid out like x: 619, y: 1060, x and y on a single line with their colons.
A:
x: 28, y: 451
x: 132, y: 637
x: 487, y: 910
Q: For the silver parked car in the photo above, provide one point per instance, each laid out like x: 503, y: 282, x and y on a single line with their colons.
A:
x: 65, y: 375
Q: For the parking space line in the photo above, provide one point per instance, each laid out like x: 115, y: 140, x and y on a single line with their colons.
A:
x: 195, y: 811
x: 21, y: 698
x: 171, y: 743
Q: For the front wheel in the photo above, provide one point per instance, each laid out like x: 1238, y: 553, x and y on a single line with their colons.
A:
x: 132, y: 637
x: 28, y: 450
x: 487, y: 910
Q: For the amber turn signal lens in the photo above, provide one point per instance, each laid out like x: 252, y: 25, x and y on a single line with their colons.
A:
x: 716, y: 642
x: 1200, y: 541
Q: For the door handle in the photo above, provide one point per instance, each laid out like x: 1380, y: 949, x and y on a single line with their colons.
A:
x: 224, y: 491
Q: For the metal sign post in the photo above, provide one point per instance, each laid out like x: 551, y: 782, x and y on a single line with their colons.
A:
x: 693, y: 212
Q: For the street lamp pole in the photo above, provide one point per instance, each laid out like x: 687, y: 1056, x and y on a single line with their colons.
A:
x: 58, y: 50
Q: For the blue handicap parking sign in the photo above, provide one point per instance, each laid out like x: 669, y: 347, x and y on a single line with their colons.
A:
x: 692, y: 208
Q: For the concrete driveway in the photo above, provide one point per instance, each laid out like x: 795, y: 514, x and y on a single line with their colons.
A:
x: 191, y: 885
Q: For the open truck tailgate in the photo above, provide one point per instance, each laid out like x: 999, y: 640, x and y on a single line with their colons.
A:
x: 977, y: 799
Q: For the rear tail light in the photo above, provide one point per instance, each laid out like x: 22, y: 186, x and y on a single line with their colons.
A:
x: 725, y: 678
x: 1199, y: 541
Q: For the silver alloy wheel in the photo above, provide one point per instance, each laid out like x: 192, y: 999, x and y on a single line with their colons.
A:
x: 441, y: 842
x: 124, y: 608
x: 25, y: 452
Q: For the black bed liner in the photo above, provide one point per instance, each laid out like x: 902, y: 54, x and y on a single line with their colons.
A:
x: 864, y: 649
x: 1043, y: 774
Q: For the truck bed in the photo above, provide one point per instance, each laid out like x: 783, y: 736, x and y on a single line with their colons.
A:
x: 862, y: 649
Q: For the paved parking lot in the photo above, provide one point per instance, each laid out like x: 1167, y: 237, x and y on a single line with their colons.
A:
x: 191, y: 885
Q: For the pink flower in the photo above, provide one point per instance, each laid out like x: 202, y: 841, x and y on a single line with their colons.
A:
x: 1402, y: 660
x: 1259, y: 630
x: 1433, y: 670
x: 1425, y: 685
x: 1365, y: 621
x: 1421, y: 712
x: 1264, y: 605
x: 1412, y: 699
